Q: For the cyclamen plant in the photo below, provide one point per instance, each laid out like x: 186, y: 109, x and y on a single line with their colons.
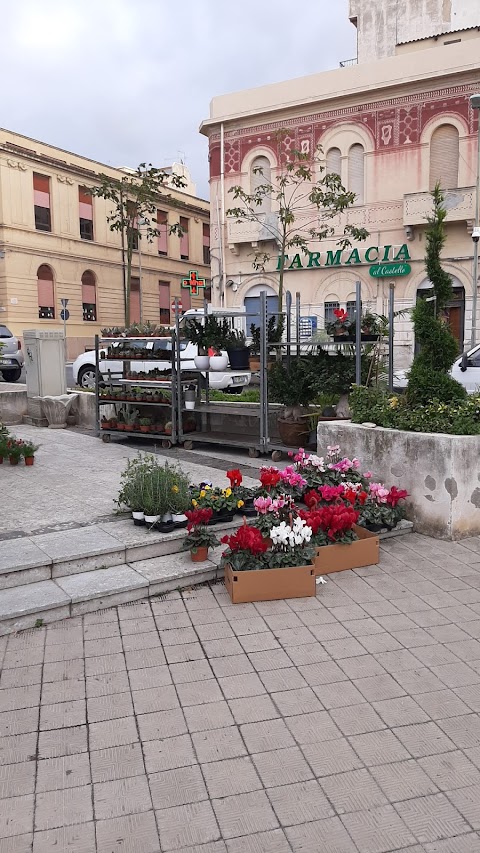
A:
x: 271, y: 511
x: 291, y: 544
x: 333, y: 523
x: 198, y: 534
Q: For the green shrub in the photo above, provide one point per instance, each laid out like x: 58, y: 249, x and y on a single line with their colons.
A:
x: 461, y: 417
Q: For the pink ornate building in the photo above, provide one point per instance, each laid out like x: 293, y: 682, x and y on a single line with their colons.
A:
x: 391, y: 127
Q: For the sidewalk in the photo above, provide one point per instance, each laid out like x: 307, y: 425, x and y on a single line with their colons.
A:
x: 349, y: 723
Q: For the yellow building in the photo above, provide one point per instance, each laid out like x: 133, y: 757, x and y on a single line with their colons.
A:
x: 55, y: 243
x: 391, y: 123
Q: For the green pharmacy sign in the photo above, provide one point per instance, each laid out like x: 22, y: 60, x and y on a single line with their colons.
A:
x: 389, y: 270
x: 378, y: 256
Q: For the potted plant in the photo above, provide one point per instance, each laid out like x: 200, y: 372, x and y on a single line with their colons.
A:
x: 121, y: 419
x: 105, y: 422
x: 373, y: 326
x: 382, y: 508
x: 342, y: 326
x: 131, y: 420
x: 14, y: 450
x: 189, y: 397
x: 4, y: 438
x: 222, y: 502
x: 196, y: 332
x: 256, y: 572
x: 113, y: 422
x: 144, y: 424
x: 341, y: 544
x: 294, y: 386
x: 275, y: 329
x: 178, y: 494
x: 154, y: 496
x: 28, y: 452
x: 199, y: 538
x: 237, y: 350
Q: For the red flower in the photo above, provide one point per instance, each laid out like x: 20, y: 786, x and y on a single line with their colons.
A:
x: 235, y: 477
x: 269, y: 477
x: 197, y: 517
x: 246, y: 539
x: 341, y: 315
x: 335, y: 519
x: 395, y: 495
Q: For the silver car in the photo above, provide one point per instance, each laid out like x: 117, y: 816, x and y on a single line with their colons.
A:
x: 11, y: 355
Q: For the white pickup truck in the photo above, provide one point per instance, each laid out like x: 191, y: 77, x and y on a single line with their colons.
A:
x: 466, y: 370
x: 84, y: 369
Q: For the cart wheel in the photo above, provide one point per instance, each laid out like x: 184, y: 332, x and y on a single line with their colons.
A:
x: 188, y: 445
x: 276, y: 455
x: 106, y: 438
x: 166, y: 443
x: 253, y: 452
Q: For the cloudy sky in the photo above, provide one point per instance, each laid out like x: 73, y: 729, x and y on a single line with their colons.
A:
x: 126, y: 81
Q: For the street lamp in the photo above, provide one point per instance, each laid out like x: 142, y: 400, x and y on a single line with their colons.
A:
x: 475, y: 104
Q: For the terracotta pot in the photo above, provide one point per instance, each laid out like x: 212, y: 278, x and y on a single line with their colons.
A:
x: 105, y: 425
x: 13, y: 460
x: 29, y: 460
x: 144, y: 428
x: 293, y: 434
x: 199, y: 555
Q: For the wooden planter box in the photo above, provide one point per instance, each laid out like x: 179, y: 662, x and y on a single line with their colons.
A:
x: 338, y: 558
x: 270, y: 584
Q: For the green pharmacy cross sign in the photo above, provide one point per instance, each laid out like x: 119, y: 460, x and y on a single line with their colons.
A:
x: 193, y: 282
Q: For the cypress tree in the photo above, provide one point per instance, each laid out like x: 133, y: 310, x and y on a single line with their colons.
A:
x: 429, y: 377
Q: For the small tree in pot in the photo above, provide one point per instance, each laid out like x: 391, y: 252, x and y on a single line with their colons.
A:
x: 295, y: 387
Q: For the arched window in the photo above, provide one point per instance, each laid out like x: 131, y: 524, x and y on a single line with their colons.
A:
x: 444, y: 153
x: 261, y: 174
x: 46, y: 294
x: 89, y: 298
x: 331, y: 304
x: 356, y: 172
x: 334, y: 161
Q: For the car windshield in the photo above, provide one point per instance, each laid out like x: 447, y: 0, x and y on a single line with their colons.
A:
x: 5, y: 333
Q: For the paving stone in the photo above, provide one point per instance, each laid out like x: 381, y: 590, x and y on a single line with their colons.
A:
x: 63, y: 807
x: 353, y: 791
x: 282, y: 767
x: 230, y: 777
x: 466, y: 801
x: 378, y: 830
x: 17, y: 780
x: 261, y: 842
x: 403, y: 780
x: 276, y: 680
x: 231, y: 665
x: 218, y: 744
x: 432, y: 818
x: 299, y: 802
x: 120, y: 797
x: 400, y: 712
x: 244, y: 814
x: 199, y: 693
x: 63, y: 715
x: 116, y: 762
x: 169, y: 754
x: 21, y: 553
x: 63, y: 691
x: 193, y: 823
x: 424, y: 739
x: 241, y: 686
x: 96, y: 584
x: 443, y: 703
x: 57, y: 742
x: 258, y: 642
x: 378, y: 748
x: 357, y: 719
x: 311, y: 728
x: 79, y: 838
x: 177, y: 787
x: 463, y: 731
x: 136, y: 833
x: 67, y: 771
x: 107, y: 685
x: 327, y: 836
x: 154, y: 699
x: 253, y: 709
x: 161, y: 724
x: 210, y: 716
x: 113, y: 733
x: 333, y: 756
x: 150, y: 677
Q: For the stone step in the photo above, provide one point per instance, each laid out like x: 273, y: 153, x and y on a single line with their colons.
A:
x: 24, y: 606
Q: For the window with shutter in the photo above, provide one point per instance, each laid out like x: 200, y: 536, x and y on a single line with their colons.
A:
x: 260, y: 175
x: 45, y: 290
x: 89, y: 299
x: 206, y: 242
x: 162, y: 226
x: 135, y: 300
x: 41, y: 202
x: 356, y: 173
x: 184, y: 243
x: 164, y: 301
x: 444, y: 153
x: 334, y: 161
x: 85, y: 205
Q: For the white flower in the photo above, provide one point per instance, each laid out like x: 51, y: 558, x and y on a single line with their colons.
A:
x: 321, y: 580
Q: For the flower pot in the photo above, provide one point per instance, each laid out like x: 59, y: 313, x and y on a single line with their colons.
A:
x: 254, y: 363
x: 151, y: 519
x: 13, y: 460
x: 270, y: 584
x: 219, y: 516
x: 144, y: 428
x: 167, y: 517
x: 138, y: 518
x: 29, y: 460
x: 239, y: 358
x: 293, y: 434
x: 354, y: 555
x: 199, y: 555
x: 189, y: 405
x: 202, y: 362
x: 105, y: 425
x: 218, y: 362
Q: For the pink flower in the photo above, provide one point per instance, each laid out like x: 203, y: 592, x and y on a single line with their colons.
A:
x: 292, y: 478
x: 263, y: 505
x: 368, y: 475
x: 379, y: 492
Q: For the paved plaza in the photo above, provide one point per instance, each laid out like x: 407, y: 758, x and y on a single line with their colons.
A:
x: 339, y: 724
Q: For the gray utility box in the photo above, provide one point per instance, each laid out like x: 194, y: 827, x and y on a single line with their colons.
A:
x: 45, y: 362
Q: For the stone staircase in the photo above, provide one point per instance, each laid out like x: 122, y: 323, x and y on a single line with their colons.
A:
x: 49, y: 576
x: 69, y: 572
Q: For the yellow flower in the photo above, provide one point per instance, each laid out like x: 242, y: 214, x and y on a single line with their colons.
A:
x: 203, y: 493
x: 175, y: 489
x: 194, y: 503
x: 393, y: 402
x: 227, y: 493
x: 208, y: 487
x: 240, y: 504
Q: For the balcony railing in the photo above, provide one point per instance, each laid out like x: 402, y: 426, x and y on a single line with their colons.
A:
x: 347, y: 62
x: 459, y: 202
x: 266, y: 229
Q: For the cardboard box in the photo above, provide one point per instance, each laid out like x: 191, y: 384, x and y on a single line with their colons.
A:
x: 338, y: 558
x: 270, y: 584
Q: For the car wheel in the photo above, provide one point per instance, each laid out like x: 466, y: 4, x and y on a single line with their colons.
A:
x: 86, y: 376
x: 12, y: 375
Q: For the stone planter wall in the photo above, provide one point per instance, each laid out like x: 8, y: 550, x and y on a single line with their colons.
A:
x: 440, y: 472
x: 13, y: 404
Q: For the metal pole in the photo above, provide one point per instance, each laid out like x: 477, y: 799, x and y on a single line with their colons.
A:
x: 473, y: 340
x: 391, y: 304
x: 264, y: 433
x: 124, y: 268
x: 358, y: 333
x: 288, y: 308
x: 140, y: 273
x: 297, y: 320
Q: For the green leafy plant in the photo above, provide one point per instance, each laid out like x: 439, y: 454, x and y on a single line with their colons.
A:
x: 207, y: 332
x: 461, y: 417
x: 29, y: 448
x: 177, y: 489
x: 275, y: 330
x: 293, y: 386
x: 429, y: 375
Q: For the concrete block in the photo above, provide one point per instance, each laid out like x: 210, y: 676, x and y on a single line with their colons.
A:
x: 22, y: 623
x: 32, y: 598
x: 161, y: 587
x: 13, y: 404
x: 440, y: 472
x: 170, y: 567
x: 115, y: 600
x: 21, y: 553
x: 24, y: 576
x: 100, y: 583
